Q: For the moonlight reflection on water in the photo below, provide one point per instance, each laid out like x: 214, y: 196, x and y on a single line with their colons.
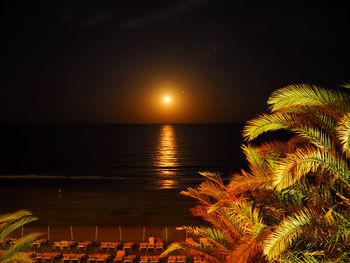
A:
x: 166, y: 158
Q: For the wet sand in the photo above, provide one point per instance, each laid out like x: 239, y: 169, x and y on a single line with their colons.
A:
x: 90, y: 203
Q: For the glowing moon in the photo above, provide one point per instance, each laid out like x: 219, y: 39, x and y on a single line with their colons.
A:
x: 166, y: 99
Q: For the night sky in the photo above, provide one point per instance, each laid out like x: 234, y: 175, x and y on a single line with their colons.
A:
x: 70, y: 61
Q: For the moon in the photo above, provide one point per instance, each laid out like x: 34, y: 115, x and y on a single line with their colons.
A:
x: 166, y: 99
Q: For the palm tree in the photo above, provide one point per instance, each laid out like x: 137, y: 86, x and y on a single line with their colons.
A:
x: 293, y: 205
x: 317, y: 170
x: 9, y: 223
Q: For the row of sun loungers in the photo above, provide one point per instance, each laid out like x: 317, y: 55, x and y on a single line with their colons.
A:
x: 47, y: 256
x: 103, y: 258
x: 99, y: 258
x: 104, y: 245
x: 177, y: 259
x: 148, y: 246
x: 149, y: 259
x: 70, y: 258
x: 110, y: 245
x: 119, y: 247
x: 86, y: 244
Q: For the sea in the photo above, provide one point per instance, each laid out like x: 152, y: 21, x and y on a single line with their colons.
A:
x: 122, y: 174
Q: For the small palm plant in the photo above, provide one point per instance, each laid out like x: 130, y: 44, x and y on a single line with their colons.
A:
x: 9, y: 223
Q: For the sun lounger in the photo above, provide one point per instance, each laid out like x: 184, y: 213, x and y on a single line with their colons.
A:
x: 172, y: 259
x: 73, y: 257
x: 48, y: 256
x: 143, y: 245
x: 129, y: 258
x: 102, y: 257
x: 150, y: 246
x: 154, y: 259
x: 84, y: 244
x: 38, y: 243
x: 91, y: 258
x: 114, y: 245
x: 159, y: 246
x: 65, y: 258
x: 128, y: 245
x: 181, y: 259
x: 109, y: 245
x: 98, y: 258
x: 144, y: 259
x: 64, y: 244
x: 56, y: 244
x: 104, y: 245
x: 119, y: 256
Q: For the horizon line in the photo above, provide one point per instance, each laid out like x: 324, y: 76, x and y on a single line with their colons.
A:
x: 116, y: 123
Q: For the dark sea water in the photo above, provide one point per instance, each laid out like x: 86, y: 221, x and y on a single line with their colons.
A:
x: 112, y: 174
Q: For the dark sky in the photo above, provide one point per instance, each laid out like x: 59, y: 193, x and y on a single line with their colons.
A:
x: 75, y: 61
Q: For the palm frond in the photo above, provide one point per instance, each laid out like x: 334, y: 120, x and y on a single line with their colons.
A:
x: 171, y: 248
x: 299, y: 257
x: 212, y: 189
x: 266, y: 123
x: 292, y: 168
x: 247, y: 252
x: 196, y: 194
x: 212, y: 176
x: 344, y: 133
x: 220, y: 219
x: 20, y: 245
x: 246, y: 181
x: 292, y: 122
x: 315, y: 135
x: 255, y: 159
x: 286, y: 233
x: 333, y: 103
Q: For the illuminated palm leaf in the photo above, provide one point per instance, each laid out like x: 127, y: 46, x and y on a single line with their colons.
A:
x: 9, y: 223
x: 13, y: 254
x: 344, y: 133
x: 333, y: 103
x: 299, y: 164
x: 292, y: 122
x: 244, y: 181
x: 265, y: 123
x: 286, y: 233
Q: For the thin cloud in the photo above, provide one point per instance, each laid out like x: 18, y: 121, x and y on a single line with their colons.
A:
x: 162, y: 14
